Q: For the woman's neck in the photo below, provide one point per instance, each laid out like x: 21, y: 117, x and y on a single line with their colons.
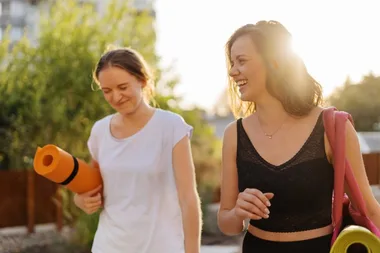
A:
x: 270, y: 112
x: 139, y: 117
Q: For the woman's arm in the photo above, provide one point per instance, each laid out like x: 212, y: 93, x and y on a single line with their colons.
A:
x: 94, y: 164
x: 91, y: 201
x: 355, y: 158
x: 228, y: 222
x: 188, y: 195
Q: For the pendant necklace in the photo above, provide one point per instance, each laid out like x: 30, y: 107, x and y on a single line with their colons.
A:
x: 270, y: 136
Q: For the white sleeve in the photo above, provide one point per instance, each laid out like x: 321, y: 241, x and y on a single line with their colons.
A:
x: 180, y: 129
x: 92, y: 144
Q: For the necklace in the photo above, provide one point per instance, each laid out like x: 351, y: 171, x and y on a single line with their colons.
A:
x: 270, y: 136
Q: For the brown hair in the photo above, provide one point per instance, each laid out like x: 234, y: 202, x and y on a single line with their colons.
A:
x: 131, y: 61
x: 287, y: 76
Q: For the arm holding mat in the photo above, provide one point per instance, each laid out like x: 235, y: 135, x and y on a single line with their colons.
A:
x: 351, y: 222
x: 62, y: 168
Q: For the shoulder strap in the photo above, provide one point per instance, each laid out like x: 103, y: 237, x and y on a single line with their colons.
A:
x: 335, y: 127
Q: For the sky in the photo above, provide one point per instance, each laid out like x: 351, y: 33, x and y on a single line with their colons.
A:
x: 335, y: 39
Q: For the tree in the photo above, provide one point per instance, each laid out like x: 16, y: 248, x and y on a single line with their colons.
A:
x: 361, y: 100
x: 45, y: 87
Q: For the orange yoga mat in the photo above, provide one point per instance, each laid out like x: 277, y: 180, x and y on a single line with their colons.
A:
x: 62, y: 168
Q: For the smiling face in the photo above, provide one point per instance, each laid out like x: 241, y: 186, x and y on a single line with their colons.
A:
x: 125, y: 79
x: 122, y: 90
x: 247, y: 69
x: 261, y: 64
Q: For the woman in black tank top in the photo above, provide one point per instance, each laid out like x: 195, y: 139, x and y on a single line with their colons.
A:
x: 277, y: 171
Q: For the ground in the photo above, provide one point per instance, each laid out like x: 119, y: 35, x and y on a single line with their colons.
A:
x: 50, y: 241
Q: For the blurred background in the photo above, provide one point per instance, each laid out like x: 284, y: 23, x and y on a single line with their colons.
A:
x: 48, y: 50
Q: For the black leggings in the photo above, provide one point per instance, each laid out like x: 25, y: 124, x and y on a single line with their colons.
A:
x: 252, y: 244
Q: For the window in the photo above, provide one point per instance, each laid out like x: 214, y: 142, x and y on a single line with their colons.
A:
x: 142, y: 4
x: 16, y: 33
x: 4, y: 8
x: 18, y: 9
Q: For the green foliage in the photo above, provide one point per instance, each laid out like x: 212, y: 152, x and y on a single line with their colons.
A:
x: 86, y: 226
x: 361, y: 100
x: 46, y: 86
x: 46, y: 95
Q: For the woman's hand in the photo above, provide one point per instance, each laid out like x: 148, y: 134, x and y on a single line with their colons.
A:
x: 253, y: 204
x: 90, y: 201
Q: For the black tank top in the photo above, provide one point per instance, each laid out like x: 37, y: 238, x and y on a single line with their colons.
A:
x: 302, y: 186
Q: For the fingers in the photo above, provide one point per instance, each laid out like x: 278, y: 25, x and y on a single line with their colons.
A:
x: 257, y: 198
x: 92, y: 210
x: 243, y: 213
x: 259, y: 195
x: 94, y: 191
x: 93, y: 199
x: 254, y: 204
x: 91, y: 202
x: 254, y: 211
x: 93, y: 205
x: 269, y: 195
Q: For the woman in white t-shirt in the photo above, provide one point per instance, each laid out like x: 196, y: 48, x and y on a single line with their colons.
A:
x: 149, y: 199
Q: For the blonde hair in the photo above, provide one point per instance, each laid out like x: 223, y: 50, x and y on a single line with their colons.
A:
x: 287, y: 77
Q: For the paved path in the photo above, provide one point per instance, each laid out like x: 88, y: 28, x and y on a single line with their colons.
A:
x: 16, y: 239
x: 219, y: 249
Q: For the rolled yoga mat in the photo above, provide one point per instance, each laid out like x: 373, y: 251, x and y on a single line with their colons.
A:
x: 354, y: 235
x: 62, y: 168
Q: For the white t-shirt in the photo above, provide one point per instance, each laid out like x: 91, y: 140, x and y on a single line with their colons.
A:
x: 141, y: 210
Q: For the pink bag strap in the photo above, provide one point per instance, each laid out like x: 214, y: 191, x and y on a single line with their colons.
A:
x: 335, y: 127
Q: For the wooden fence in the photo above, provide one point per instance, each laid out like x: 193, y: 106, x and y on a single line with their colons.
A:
x: 27, y: 199
x: 372, y: 165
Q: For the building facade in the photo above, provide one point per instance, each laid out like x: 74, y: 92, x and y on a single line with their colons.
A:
x: 19, y: 15
x: 23, y: 15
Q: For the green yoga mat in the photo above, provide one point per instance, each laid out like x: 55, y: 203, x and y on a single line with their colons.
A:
x: 356, y: 234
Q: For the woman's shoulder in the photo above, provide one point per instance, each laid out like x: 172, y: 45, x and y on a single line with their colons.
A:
x: 315, y: 115
x: 170, y: 117
x: 101, y: 124
x: 174, y: 125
